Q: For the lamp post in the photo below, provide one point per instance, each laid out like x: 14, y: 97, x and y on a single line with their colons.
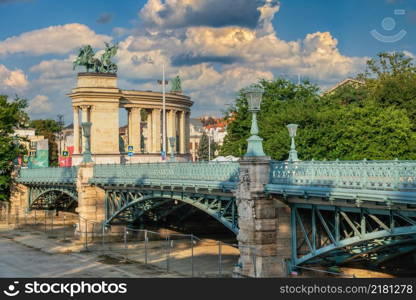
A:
x: 254, y: 96
x: 209, y: 145
x: 163, y: 82
x: 86, y: 129
x: 293, y: 154
x: 172, y: 141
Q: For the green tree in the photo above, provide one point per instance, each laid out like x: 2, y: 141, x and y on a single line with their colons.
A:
x: 391, y: 81
x: 283, y: 102
x: 48, y: 128
x: 12, y: 115
x: 352, y: 123
x: 203, y: 149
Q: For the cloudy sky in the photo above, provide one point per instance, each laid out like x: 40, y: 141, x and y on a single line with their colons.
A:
x: 216, y: 46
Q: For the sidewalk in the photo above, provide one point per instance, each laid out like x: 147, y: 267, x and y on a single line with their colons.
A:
x: 49, y: 256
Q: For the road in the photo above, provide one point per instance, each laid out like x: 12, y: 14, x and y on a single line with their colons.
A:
x: 17, y: 260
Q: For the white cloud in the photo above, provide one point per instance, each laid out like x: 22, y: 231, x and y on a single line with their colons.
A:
x: 54, y: 39
x: 40, y: 104
x: 12, y: 80
x: 214, y: 58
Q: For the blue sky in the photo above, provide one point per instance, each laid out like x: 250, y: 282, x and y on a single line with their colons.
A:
x: 217, y: 46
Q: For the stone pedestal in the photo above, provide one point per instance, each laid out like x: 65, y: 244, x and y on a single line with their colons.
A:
x: 261, y: 224
x: 91, y: 202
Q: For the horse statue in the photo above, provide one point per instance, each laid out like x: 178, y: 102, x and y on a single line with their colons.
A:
x: 86, y: 57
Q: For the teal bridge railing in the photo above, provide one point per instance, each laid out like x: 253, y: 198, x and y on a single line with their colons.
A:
x: 209, y: 175
x: 50, y: 176
x: 388, y: 181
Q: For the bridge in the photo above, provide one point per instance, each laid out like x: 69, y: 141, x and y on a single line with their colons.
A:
x: 295, y: 213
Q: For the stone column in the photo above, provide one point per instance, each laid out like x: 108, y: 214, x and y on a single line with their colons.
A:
x: 257, y: 221
x: 134, y: 128
x: 85, y: 118
x: 182, y: 138
x: 172, y: 123
x: 156, y: 129
x: 129, y: 126
x: 187, y: 132
x: 76, y: 130
x: 149, y: 143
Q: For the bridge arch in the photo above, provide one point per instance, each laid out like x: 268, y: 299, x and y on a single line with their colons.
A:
x: 204, y: 207
x: 37, y: 194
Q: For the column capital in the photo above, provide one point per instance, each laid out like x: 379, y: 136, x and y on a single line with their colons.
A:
x: 85, y: 106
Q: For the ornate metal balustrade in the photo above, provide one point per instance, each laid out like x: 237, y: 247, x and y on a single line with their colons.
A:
x: 209, y: 175
x: 393, y: 181
x: 52, y: 176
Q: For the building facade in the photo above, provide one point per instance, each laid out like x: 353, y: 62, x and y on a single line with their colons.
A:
x: 37, y: 148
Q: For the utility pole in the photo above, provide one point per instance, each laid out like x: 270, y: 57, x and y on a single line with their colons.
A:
x: 61, y: 124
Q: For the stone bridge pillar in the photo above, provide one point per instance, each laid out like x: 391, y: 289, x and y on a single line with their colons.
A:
x: 19, y: 197
x: 91, y: 202
x: 264, y: 224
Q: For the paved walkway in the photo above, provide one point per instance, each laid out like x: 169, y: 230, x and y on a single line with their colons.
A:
x: 20, y: 257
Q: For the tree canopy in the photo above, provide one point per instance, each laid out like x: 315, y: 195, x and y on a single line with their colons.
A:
x: 375, y: 120
x: 12, y: 115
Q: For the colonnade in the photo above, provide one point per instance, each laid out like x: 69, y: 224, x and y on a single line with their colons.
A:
x: 142, y: 132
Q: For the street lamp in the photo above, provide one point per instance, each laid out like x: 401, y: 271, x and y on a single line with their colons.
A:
x: 163, y: 82
x: 172, y: 141
x: 254, y: 96
x: 209, y: 145
x: 293, y: 154
x: 86, y: 129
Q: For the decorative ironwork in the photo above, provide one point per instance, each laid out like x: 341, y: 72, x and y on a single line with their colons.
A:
x: 51, y: 176
x: 55, y: 197
x: 393, y: 181
x: 333, y: 235
x: 209, y: 175
x: 129, y: 205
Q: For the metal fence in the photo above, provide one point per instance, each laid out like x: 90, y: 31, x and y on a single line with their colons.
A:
x: 173, y: 253
x: 57, y: 225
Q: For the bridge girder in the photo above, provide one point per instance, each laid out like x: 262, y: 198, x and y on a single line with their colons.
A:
x: 220, y: 207
x: 337, y: 235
